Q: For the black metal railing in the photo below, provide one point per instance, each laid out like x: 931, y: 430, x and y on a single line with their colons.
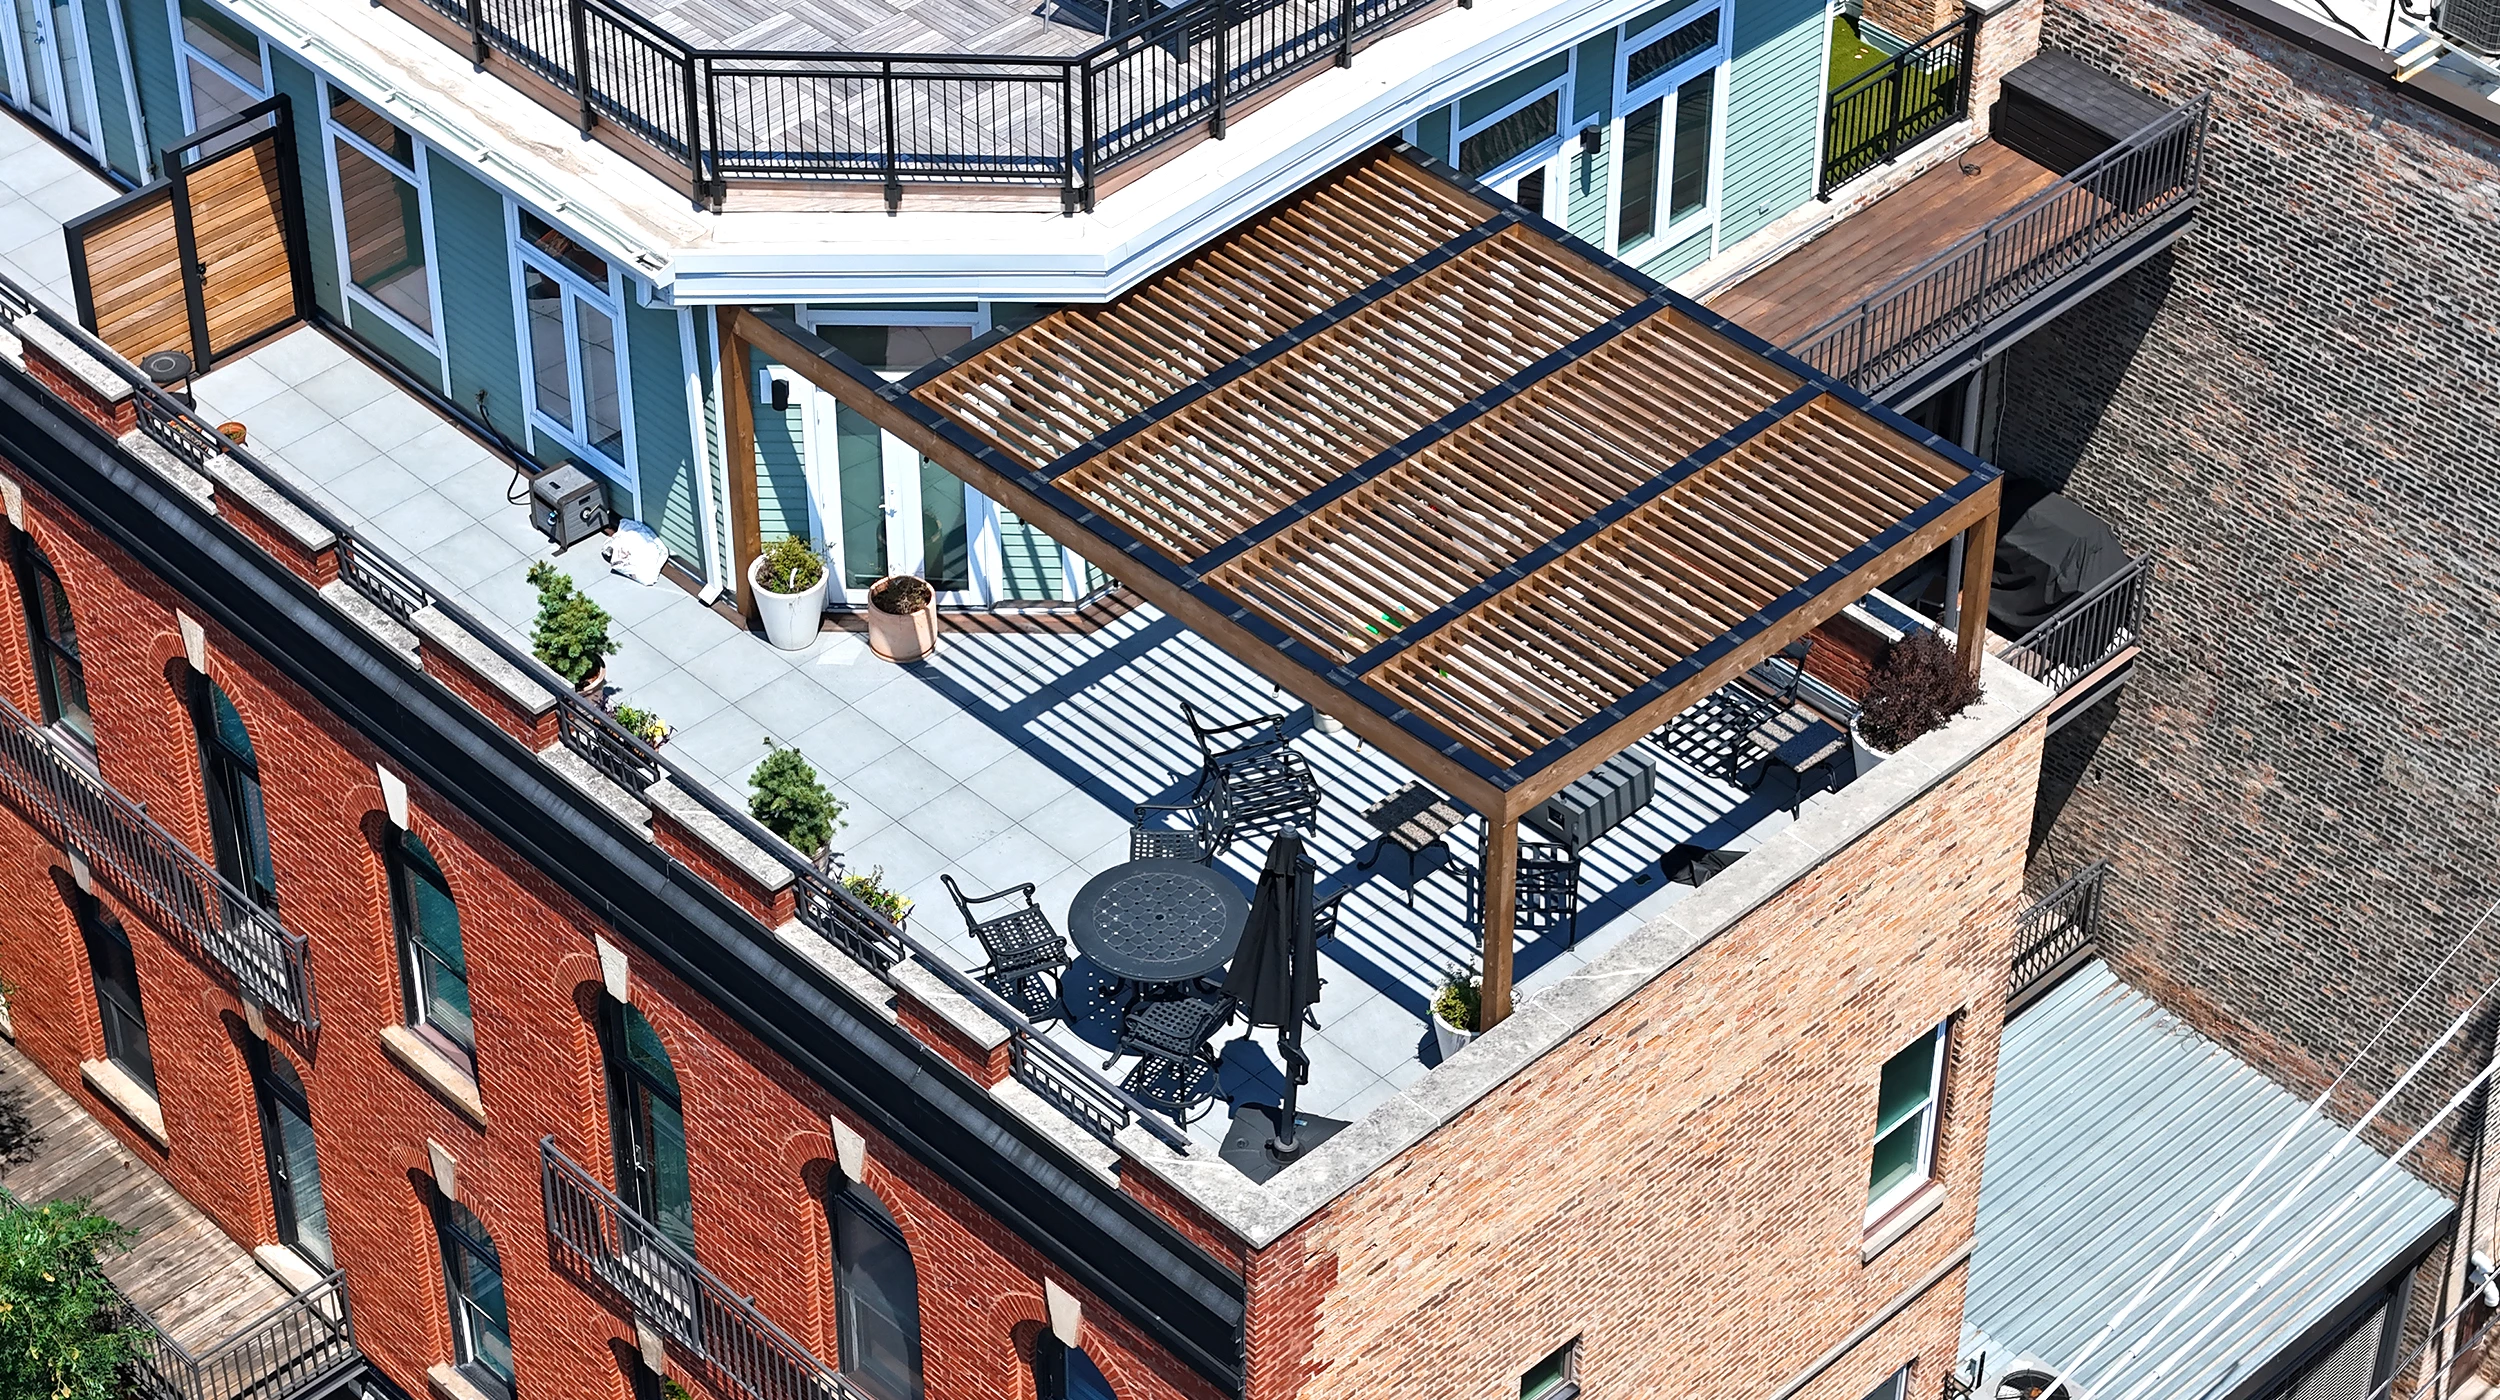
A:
x: 1956, y: 294
x: 897, y: 118
x: 2093, y: 627
x: 151, y: 870
x: 300, y: 1345
x: 271, y: 960
x: 1897, y: 103
x: 715, y: 1324
x: 2055, y: 932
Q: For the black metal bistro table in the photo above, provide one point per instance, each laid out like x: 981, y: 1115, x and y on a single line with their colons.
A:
x: 1158, y: 923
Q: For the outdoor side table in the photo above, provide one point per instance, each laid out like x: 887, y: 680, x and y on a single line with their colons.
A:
x: 1577, y: 816
x: 1158, y: 923
x: 1797, y: 739
x: 1411, y: 822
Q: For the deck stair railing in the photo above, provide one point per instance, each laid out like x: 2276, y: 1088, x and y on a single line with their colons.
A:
x: 1953, y: 296
x: 295, y: 1349
x: 1896, y: 104
x: 890, y: 118
x: 159, y: 875
x: 2091, y: 628
x: 664, y: 1286
x: 2054, y: 934
x: 249, y: 941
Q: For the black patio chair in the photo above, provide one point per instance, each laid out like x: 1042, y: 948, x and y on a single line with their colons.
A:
x: 1548, y: 895
x: 1026, y: 954
x: 1171, y: 831
x: 1222, y: 747
x: 1177, y: 1069
x: 1795, y: 654
x: 1324, y: 917
x: 1251, y: 780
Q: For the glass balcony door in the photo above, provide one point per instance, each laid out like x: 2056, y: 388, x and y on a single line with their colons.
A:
x: 48, y: 70
x: 881, y: 508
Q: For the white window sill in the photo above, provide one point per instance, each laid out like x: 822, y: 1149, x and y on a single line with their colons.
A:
x: 1887, y: 1229
x: 114, y: 1084
x: 298, y: 1273
x: 448, y: 1383
x: 435, y: 1070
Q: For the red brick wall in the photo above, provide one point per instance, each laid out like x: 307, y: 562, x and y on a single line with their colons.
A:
x: 1683, y: 1183
x: 759, y: 1141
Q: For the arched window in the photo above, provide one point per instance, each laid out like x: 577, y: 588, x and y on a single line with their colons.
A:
x: 286, y: 1139
x: 117, y: 992
x: 648, y: 1119
x: 481, y: 1330
x: 232, y: 775
x: 1063, y: 1372
x: 433, y: 973
x: 876, y: 1296
x: 60, y: 674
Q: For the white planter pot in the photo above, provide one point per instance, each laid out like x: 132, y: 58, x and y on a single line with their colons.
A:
x: 1450, y: 1039
x: 791, y: 620
x: 1866, y: 754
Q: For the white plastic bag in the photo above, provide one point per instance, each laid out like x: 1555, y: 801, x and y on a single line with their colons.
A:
x: 636, y: 552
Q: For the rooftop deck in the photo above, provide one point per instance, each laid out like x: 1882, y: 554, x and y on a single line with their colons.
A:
x: 880, y: 26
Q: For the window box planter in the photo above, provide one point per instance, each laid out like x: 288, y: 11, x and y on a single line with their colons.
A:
x: 902, y: 618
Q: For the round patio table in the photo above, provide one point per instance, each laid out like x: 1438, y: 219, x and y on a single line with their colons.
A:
x: 1158, y: 922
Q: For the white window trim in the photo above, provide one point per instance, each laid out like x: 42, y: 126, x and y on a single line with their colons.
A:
x: 18, y: 61
x: 1933, y: 1113
x: 331, y: 134
x: 1544, y: 152
x: 1714, y: 59
x: 185, y: 56
x: 609, y: 300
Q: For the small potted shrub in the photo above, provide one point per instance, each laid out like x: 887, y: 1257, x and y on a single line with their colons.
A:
x: 1918, y: 686
x: 870, y: 889
x: 643, y: 725
x: 902, y: 618
x: 1454, y: 1010
x: 571, y: 635
x: 793, y: 803
x: 789, y: 584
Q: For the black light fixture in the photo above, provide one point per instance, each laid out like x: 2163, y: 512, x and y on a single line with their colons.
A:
x: 1590, y: 136
x: 781, y: 393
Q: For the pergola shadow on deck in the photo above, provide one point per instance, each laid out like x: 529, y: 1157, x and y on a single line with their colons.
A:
x: 1500, y: 504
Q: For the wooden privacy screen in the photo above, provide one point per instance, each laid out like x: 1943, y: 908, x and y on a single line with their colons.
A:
x: 128, y: 267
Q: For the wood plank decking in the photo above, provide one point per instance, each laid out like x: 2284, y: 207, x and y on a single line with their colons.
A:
x: 183, y: 1271
x: 1866, y: 251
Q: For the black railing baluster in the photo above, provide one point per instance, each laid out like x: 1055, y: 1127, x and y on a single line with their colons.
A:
x: 1220, y: 80
x: 579, y: 14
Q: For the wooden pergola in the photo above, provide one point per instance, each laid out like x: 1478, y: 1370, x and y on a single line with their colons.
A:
x: 1497, y: 502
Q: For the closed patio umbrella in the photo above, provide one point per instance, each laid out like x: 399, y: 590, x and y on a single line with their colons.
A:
x: 1275, y: 976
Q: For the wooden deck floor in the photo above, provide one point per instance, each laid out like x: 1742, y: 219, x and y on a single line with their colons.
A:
x: 1863, y: 252
x: 200, y: 1286
x: 873, y: 26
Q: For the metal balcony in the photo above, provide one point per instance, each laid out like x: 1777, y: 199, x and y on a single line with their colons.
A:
x: 299, y: 1347
x: 2055, y: 935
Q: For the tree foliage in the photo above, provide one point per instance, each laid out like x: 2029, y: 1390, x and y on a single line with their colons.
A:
x: 62, y: 1336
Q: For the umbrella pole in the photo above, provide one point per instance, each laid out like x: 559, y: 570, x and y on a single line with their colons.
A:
x: 1285, y: 1147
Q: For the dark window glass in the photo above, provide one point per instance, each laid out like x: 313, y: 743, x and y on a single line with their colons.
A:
x: 1689, y: 188
x: 294, y: 1167
x: 1638, y: 217
x: 648, y: 1120
x: 1555, y: 1377
x: 236, y: 822
x: 559, y: 245
x: 60, y: 673
x: 117, y: 992
x: 481, y: 1330
x: 877, y: 1295
x: 434, y: 971
x: 1656, y: 57
x: 1066, y: 1373
x: 1511, y: 137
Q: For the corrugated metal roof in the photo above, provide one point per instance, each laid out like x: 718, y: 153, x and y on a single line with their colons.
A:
x: 2115, y: 1131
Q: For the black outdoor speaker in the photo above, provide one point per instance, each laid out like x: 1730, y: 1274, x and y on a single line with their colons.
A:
x: 2469, y: 24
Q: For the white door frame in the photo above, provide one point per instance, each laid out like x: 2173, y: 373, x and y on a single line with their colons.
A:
x: 50, y: 56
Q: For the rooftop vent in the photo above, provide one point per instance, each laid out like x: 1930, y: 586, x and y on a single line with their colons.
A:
x: 2469, y: 24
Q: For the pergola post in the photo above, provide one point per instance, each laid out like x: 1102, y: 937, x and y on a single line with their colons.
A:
x: 1501, y: 904
x: 737, y: 398
x: 1979, y: 560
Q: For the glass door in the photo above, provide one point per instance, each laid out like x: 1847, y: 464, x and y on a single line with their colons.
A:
x: 885, y: 509
x: 48, y: 71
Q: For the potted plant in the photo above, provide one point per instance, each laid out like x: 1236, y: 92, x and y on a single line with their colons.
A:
x: 1919, y: 685
x: 792, y: 803
x: 902, y: 618
x: 870, y: 889
x: 1454, y: 1010
x: 643, y: 725
x: 789, y: 584
x: 571, y: 635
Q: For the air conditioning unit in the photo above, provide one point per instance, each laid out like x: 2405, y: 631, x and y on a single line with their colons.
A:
x: 2469, y: 24
x: 567, y: 506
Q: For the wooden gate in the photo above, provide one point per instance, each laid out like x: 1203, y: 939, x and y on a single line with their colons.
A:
x: 209, y: 259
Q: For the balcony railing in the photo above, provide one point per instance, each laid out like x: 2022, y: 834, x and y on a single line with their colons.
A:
x: 2095, y: 626
x: 892, y: 118
x: 664, y: 1285
x: 157, y: 874
x: 294, y: 1349
x: 1897, y: 103
x: 2054, y: 934
x: 273, y: 960
x: 2029, y: 249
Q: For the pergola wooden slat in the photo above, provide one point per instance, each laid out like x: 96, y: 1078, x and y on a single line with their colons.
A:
x: 1500, y: 504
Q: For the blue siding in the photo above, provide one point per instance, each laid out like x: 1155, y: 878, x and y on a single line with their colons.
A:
x: 476, y: 313
x: 666, y: 460
x: 296, y: 81
x: 780, y: 473
x: 394, y: 345
x: 1593, y: 86
x: 1585, y: 212
x: 1678, y: 258
x: 112, y: 91
x: 1774, y: 104
x: 153, y: 63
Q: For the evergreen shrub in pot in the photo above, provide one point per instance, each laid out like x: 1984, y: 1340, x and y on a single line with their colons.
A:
x: 571, y: 634
x: 793, y: 803
x: 789, y: 583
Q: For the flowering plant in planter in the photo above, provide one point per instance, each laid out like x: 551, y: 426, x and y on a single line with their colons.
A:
x: 571, y: 634
x: 1458, y: 1001
x: 643, y: 725
x: 870, y: 889
x: 1920, y: 684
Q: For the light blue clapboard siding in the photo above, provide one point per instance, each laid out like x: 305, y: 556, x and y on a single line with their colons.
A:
x: 780, y: 472
x: 1774, y: 102
x: 477, y: 315
x: 1030, y: 560
x: 395, y: 345
x: 112, y: 92
x: 1678, y: 258
x: 153, y: 63
x: 666, y: 459
x: 1585, y: 212
x: 321, y: 249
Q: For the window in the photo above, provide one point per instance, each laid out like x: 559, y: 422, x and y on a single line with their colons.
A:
x: 481, y: 1331
x: 1895, y: 1386
x: 569, y: 300
x: 876, y: 1297
x: 117, y: 992
x: 379, y: 183
x: 1665, y: 137
x: 1557, y: 1377
x: 224, y: 68
x: 647, y: 1119
x: 286, y: 1138
x: 1905, y: 1122
x: 434, y: 973
x: 236, y: 824
x: 1062, y: 1372
x: 60, y: 674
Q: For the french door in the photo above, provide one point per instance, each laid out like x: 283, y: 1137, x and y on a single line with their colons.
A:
x: 49, y: 73
x: 884, y: 509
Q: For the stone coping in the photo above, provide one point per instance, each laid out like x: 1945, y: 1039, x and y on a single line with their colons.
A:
x: 72, y: 357
x: 703, y: 824
x: 524, y: 690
